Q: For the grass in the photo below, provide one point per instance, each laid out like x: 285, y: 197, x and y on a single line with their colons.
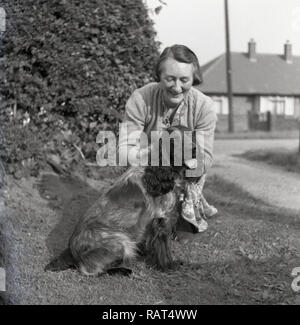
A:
x: 287, y: 160
x: 245, y: 257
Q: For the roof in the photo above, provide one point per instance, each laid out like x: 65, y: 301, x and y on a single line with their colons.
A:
x: 270, y: 74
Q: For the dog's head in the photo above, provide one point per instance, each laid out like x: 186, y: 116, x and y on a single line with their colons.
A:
x: 159, y: 180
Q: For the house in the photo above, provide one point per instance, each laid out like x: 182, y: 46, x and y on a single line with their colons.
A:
x: 266, y: 89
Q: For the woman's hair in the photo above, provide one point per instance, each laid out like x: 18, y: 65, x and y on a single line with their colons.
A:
x: 181, y: 54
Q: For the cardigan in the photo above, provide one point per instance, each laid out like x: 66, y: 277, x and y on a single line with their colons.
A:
x: 144, y: 112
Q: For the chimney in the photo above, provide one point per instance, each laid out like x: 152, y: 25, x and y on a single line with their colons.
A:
x: 288, y: 55
x: 252, y: 50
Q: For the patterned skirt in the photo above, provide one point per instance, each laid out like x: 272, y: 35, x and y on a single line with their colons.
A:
x: 195, y: 208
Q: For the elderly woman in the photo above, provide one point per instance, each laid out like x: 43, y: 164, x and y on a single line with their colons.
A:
x: 172, y: 101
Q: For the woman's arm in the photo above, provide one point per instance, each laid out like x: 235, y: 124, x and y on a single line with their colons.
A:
x: 205, y: 129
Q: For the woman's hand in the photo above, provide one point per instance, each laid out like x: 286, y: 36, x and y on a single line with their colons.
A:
x: 191, y: 163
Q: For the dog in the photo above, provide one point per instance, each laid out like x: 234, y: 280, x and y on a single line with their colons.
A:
x: 138, y: 212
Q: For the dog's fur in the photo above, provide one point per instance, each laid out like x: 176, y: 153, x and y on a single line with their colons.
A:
x: 139, y: 210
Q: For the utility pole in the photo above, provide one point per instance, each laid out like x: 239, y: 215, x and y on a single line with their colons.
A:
x: 229, y: 71
x: 299, y: 136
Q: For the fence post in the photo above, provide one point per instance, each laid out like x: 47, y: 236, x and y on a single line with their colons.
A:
x: 269, y: 121
x: 299, y: 135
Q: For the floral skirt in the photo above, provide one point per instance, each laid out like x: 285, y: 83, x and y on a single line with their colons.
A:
x: 195, y: 208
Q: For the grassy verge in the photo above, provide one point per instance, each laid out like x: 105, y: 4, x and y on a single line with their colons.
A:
x: 290, y: 161
x: 245, y: 257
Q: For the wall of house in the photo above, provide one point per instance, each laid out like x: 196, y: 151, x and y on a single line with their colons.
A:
x: 241, y: 106
x: 270, y: 104
x: 281, y: 123
x: 288, y: 121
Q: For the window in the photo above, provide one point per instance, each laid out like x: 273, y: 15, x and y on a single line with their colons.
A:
x: 218, y: 106
x: 290, y: 107
x: 221, y: 105
x: 278, y: 106
x: 281, y: 106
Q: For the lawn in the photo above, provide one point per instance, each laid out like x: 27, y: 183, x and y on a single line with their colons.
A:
x: 245, y: 257
x: 288, y: 160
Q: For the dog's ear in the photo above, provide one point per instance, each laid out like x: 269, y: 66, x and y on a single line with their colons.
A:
x: 151, y: 182
x: 126, y: 189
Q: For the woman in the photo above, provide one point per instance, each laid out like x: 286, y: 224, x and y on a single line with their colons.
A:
x: 172, y: 101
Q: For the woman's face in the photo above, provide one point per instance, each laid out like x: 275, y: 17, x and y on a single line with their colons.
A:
x: 176, y: 79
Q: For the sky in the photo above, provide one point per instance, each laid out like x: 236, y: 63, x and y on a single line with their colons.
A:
x: 200, y: 25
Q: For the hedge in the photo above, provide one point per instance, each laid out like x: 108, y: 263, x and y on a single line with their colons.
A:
x: 69, y: 67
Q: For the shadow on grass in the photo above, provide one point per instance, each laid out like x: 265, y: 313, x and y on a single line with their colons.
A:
x: 240, y: 282
x: 230, y: 198
x: 70, y: 197
x: 285, y: 159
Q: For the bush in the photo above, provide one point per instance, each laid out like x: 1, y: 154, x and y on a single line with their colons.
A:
x: 76, y: 62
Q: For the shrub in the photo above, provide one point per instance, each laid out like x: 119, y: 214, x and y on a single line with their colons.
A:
x: 74, y: 61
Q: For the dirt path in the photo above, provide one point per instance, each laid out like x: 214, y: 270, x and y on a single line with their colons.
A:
x: 270, y: 184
